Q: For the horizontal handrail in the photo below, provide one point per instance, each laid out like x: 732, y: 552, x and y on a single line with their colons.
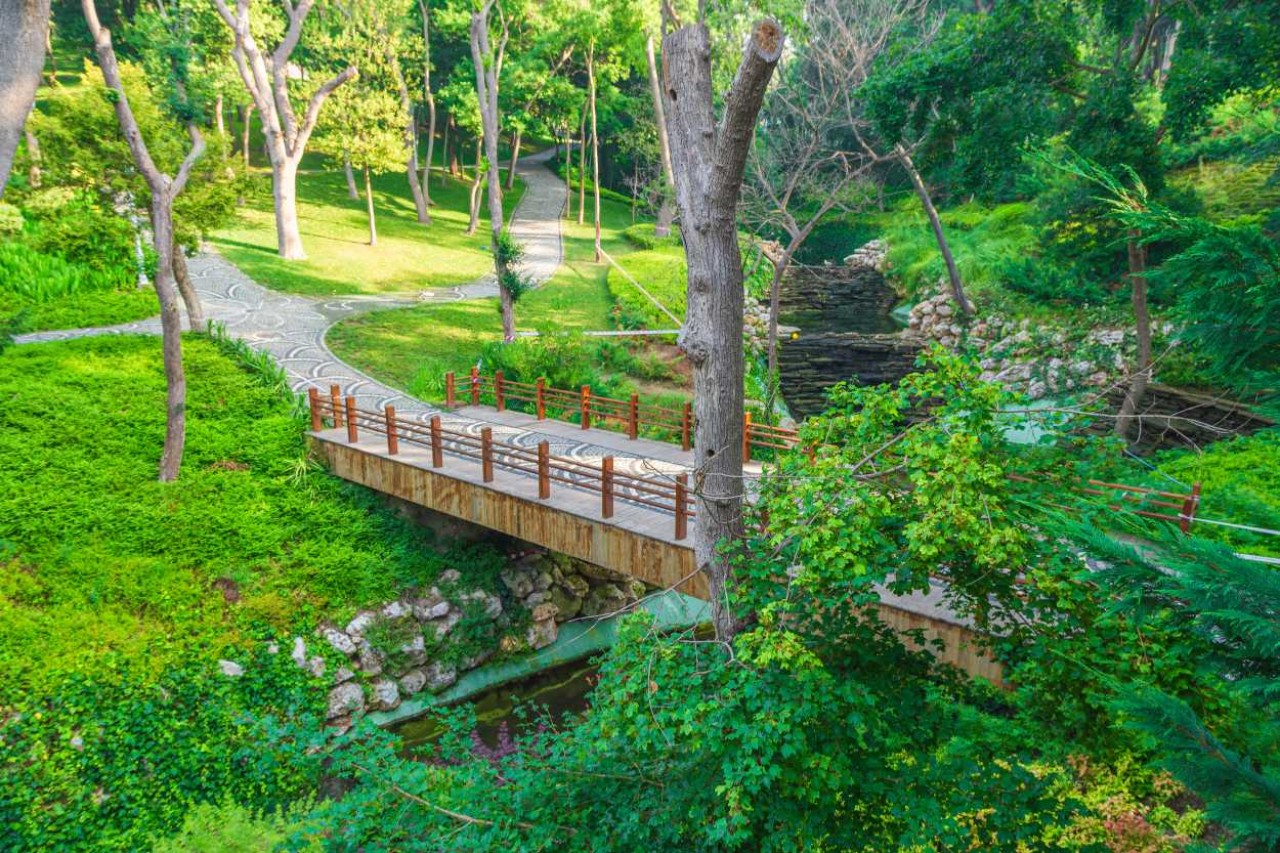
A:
x: 602, y: 479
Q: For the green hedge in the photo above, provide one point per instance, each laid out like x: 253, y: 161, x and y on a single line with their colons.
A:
x: 642, y: 236
x: 663, y: 273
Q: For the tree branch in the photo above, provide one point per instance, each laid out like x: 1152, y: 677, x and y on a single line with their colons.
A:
x: 742, y: 105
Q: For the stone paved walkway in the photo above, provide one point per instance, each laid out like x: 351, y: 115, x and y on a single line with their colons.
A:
x: 292, y: 328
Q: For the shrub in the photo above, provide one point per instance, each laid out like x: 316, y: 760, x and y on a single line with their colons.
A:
x: 565, y: 361
x: 662, y: 272
x: 39, y: 278
x: 642, y: 237
x: 228, y: 827
x: 11, y: 219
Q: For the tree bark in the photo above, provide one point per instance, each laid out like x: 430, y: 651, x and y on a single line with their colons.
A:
x: 34, y: 175
x: 429, y: 97
x: 218, y: 121
x: 709, y: 161
x: 953, y: 273
x: 244, y: 130
x: 265, y: 77
x: 487, y: 92
x: 516, y: 139
x: 163, y: 191
x: 667, y: 209
x: 410, y: 136
x: 595, y: 143
x: 475, y: 194
x: 25, y: 24
x: 568, y: 177
x: 582, y: 168
x: 1142, y: 326
x: 451, y: 154
x: 353, y: 191
x: 368, y: 202
x: 187, y: 289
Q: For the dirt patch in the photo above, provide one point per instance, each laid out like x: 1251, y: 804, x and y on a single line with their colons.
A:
x: 230, y: 589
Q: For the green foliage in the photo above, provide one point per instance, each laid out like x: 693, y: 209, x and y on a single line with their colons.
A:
x: 227, y: 827
x: 642, y: 236
x: 509, y: 253
x: 564, y: 360
x: 53, y: 293
x: 663, y: 273
x: 11, y: 219
x: 39, y: 279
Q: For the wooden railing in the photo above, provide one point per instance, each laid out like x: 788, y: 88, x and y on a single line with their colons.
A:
x: 1148, y: 503
x: 669, y: 496
x: 588, y: 410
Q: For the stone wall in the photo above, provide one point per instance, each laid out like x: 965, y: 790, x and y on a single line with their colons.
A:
x: 811, y: 364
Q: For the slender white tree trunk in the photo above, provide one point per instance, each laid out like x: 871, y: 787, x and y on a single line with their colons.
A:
x: 515, y: 156
x: 667, y: 209
x: 353, y: 192
x: 474, y: 224
x: 368, y: 201
x: 595, y: 144
x: 582, y: 168
x: 217, y: 115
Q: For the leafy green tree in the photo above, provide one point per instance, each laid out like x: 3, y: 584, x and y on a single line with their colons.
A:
x: 365, y: 128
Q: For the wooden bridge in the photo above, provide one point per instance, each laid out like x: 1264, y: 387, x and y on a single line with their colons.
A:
x: 627, y: 508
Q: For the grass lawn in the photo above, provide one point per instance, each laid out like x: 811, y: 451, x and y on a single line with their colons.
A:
x: 412, y: 348
x: 335, y: 234
x: 81, y: 310
x: 101, y: 565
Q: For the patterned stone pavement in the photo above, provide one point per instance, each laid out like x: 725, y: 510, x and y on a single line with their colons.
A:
x: 292, y: 328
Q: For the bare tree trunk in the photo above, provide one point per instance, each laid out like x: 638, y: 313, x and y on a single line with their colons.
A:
x: 244, y: 130
x: 595, y: 143
x: 353, y: 192
x: 452, y: 153
x: 953, y: 273
x: 34, y: 176
x: 515, y: 156
x: 217, y: 115
x: 487, y: 92
x: 410, y: 136
x: 709, y: 162
x: 190, y: 298
x: 1141, y: 376
x: 667, y: 210
x: 368, y: 201
x: 25, y: 24
x: 775, y: 300
x: 568, y: 178
x: 425, y: 11
x: 475, y: 194
x: 582, y: 169
x: 163, y: 191
x: 265, y: 77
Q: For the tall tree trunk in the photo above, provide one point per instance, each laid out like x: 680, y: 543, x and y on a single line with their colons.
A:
x: 595, y: 143
x: 217, y: 115
x: 515, y: 156
x: 1141, y: 376
x: 667, y: 209
x: 568, y: 176
x: 775, y: 304
x: 353, y: 191
x: 25, y: 25
x: 429, y: 97
x: 368, y: 202
x: 245, y: 127
x: 163, y: 191
x: 953, y: 273
x: 34, y: 176
x: 410, y: 137
x: 487, y: 92
x: 284, y: 189
x: 582, y: 168
x: 187, y: 289
x: 475, y: 194
x: 452, y: 153
x: 709, y: 161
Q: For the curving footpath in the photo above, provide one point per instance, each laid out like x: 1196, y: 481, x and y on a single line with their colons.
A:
x: 292, y: 328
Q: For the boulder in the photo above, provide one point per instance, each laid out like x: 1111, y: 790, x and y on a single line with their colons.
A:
x: 576, y: 585
x: 439, y: 675
x: 361, y: 623
x: 599, y: 573
x: 316, y: 666
x: 475, y: 660
x: 443, y: 625
x: 635, y: 589
x: 385, y: 695
x: 542, y: 582
x: 230, y: 668
x: 414, y: 652
x: 520, y: 583
x: 397, y: 610
x: 340, y: 641
x: 541, y: 634
x: 347, y: 698
x: 342, y: 674
x: 413, y: 682
x: 567, y: 605
x: 544, y: 611
x: 370, y: 660
x: 449, y: 577
x: 299, y: 653
x: 430, y: 606
x: 604, y: 599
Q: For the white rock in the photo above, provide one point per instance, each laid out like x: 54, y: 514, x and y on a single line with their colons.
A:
x: 299, y: 653
x: 273, y: 648
x: 371, y: 660
x: 415, y: 651
x: 385, y: 695
x: 230, y: 668
x: 340, y: 641
x: 944, y: 310
x: 449, y: 576
x: 397, y: 610
x: 430, y: 606
x: 346, y: 698
x: 413, y: 682
x: 445, y: 624
x: 342, y: 674
x: 541, y: 634
x: 361, y: 623
x: 316, y: 666
x: 439, y: 676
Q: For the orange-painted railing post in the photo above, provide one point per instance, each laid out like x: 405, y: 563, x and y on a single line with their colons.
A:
x: 335, y: 399
x: 586, y: 406
x: 486, y: 454
x: 544, y: 470
x: 1189, y: 507
x: 682, y: 506
x: 437, y: 443
x: 540, y: 402
x: 475, y: 386
x: 313, y: 398
x: 498, y: 400
x: 686, y: 427
x: 450, y: 391
x: 393, y: 440
x: 633, y: 417
x: 606, y: 487
x: 352, y: 438
x: 746, y: 436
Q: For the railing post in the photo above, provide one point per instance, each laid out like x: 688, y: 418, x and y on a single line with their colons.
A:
x: 544, y: 470
x: 450, y: 391
x: 335, y: 398
x: 540, y: 402
x: 682, y: 509
x: 437, y: 443
x: 606, y: 487
x: 1189, y: 507
x: 586, y: 406
x: 486, y: 454
x: 633, y: 418
x: 497, y: 391
x: 475, y: 386
x: 352, y: 438
x: 746, y: 436
x: 686, y: 427
x: 393, y: 440
x: 313, y: 398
